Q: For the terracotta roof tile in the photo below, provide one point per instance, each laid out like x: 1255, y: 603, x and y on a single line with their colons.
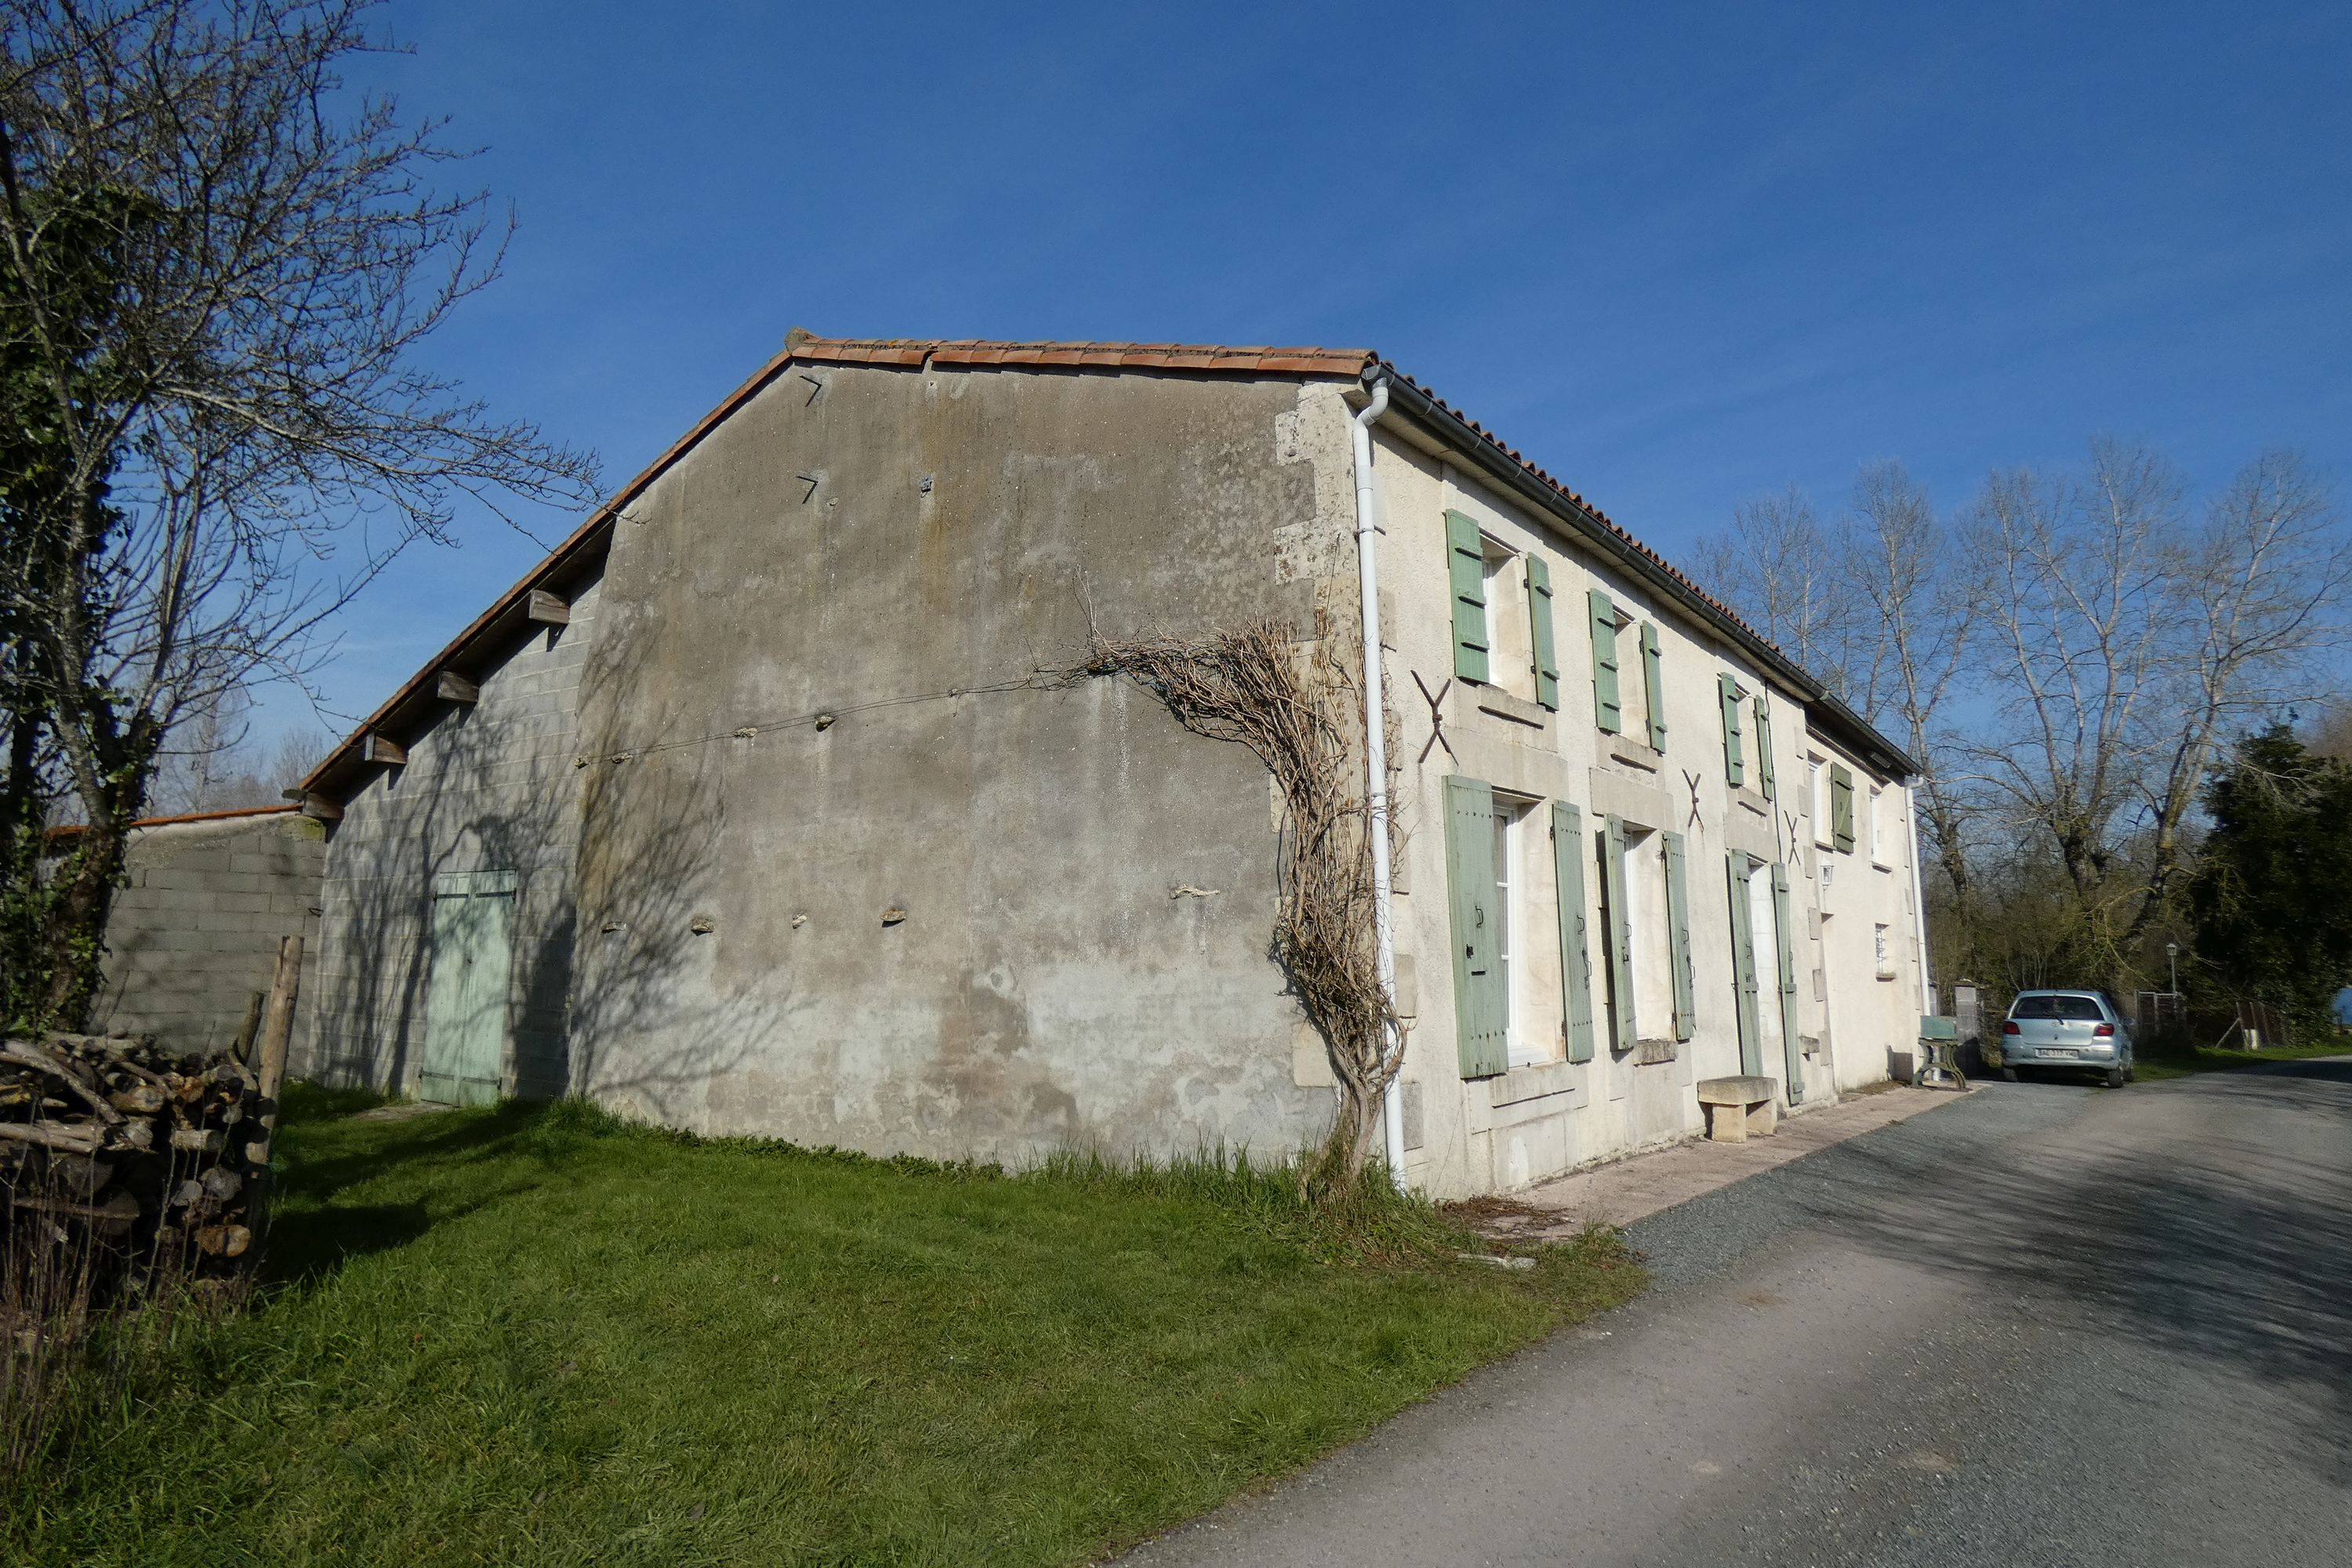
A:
x: 69, y: 829
x: 1250, y: 360
x: 1605, y: 521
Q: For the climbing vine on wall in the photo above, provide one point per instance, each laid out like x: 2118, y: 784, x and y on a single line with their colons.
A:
x: 1296, y: 708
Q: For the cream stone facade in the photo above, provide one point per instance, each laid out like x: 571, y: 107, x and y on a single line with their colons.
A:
x: 1709, y: 862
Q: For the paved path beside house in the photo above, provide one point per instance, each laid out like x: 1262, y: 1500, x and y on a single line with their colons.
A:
x: 2047, y: 1324
x: 1624, y: 1191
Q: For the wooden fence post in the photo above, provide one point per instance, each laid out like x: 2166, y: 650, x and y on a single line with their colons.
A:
x: 269, y: 1062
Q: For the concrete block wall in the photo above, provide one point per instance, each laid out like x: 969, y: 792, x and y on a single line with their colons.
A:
x: 492, y: 786
x: 195, y: 928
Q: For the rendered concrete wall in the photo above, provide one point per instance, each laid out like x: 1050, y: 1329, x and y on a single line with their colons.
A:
x: 853, y: 870
x: 492, y: 786
x: 1550, y: 1115
x: 195, y: 928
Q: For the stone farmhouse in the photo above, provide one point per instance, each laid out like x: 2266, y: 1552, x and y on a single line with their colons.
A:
x: 746, y: 810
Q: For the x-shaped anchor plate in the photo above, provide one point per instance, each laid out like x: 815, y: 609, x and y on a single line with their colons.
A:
x: 1436, y: 719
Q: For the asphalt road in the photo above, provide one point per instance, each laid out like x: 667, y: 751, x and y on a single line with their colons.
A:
x: 2044, y: 1325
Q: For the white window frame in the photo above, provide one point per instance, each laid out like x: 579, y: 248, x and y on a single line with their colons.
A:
x: 1510, y: 629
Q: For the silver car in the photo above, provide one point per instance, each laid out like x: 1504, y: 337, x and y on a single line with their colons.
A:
x: 2079, y: 1029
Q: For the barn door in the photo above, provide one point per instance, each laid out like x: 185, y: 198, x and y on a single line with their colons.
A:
x: 466, y: 1011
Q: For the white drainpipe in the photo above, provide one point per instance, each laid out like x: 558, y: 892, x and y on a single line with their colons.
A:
x: 1919, y: 902
x: 1376, y: 760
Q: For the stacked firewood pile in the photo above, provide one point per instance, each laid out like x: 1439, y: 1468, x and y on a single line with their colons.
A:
x: 125, y: 1164
x: 134, y: 1159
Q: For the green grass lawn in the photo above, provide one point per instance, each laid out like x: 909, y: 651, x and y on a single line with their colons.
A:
x: 532, y: 1335
x: 2152, y: 1067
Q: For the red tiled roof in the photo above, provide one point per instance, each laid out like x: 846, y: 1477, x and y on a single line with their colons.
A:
x: 1602, y: 518
x: 1258, y: 359
x: 68, y: 829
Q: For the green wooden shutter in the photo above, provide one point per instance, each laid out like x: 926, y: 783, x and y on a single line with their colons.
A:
x: 1539, y: 633
x: 1792, y: 1046
x: 1840, y: 806
x: 1575, y: 956
x: 1764, y: 780
x: 1743, y: 965
x: 1734, y: 768
x: 1465, y: 558
x: 1620, y: 932
x: 1678, y: 943
x: 1653, y: 687
x: 1478, y: 1010
x: 1607, y: 712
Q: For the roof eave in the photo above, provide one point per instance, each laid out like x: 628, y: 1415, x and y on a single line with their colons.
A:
x: 1460, y: 439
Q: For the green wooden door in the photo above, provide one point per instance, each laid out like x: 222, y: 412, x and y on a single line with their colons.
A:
x: 466, y: 1011
x: 1743, y: 965
x: 1792, y: 1045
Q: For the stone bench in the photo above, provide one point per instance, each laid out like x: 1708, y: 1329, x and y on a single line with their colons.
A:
x: 1738, y: 1108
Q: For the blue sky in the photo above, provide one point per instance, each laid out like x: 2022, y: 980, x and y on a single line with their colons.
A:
x: 1678, y: 255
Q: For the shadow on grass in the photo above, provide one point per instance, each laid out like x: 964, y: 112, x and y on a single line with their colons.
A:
x: 315, y: 1232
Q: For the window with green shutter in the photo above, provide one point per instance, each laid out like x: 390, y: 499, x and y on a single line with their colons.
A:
x: 1480, y: 1031
x: 1840, y: 806
x: 1764, y: 779
x: 1734, y: 766
x: 1619, y: 932
x: 1653, y: 688
x: 1678, y: 935
x: 1607, y: 710
x: 1465, y: 562
x: 1785, y: 945
x: 1546, y: 657
x: 1575, y: 956
x: 1743, y: 965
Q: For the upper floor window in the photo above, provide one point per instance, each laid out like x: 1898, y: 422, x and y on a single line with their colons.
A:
x: 1502, y: 614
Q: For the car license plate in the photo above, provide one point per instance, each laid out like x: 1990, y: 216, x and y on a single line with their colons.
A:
x: 2060, y: 1051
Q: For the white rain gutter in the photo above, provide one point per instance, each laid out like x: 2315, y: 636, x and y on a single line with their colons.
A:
x: 1919, y: 902
x: 1376, y: 763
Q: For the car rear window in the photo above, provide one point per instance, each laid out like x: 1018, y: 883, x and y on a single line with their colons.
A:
x: 2075, y: 1008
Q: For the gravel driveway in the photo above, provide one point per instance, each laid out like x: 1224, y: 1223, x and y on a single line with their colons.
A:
x: 2044, y: 1325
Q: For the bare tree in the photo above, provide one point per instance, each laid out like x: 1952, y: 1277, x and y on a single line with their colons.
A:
x: 1781, y: 573
x: 2331, y: 733
x: 2260, y: 601
x: 2080, y: 574
x: 2125, y: 644
x: 1875, y: 605
x: 1916, y: 609
x: 216, y: 267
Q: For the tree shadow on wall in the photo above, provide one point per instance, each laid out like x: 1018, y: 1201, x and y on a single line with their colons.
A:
x: 493, y: 790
